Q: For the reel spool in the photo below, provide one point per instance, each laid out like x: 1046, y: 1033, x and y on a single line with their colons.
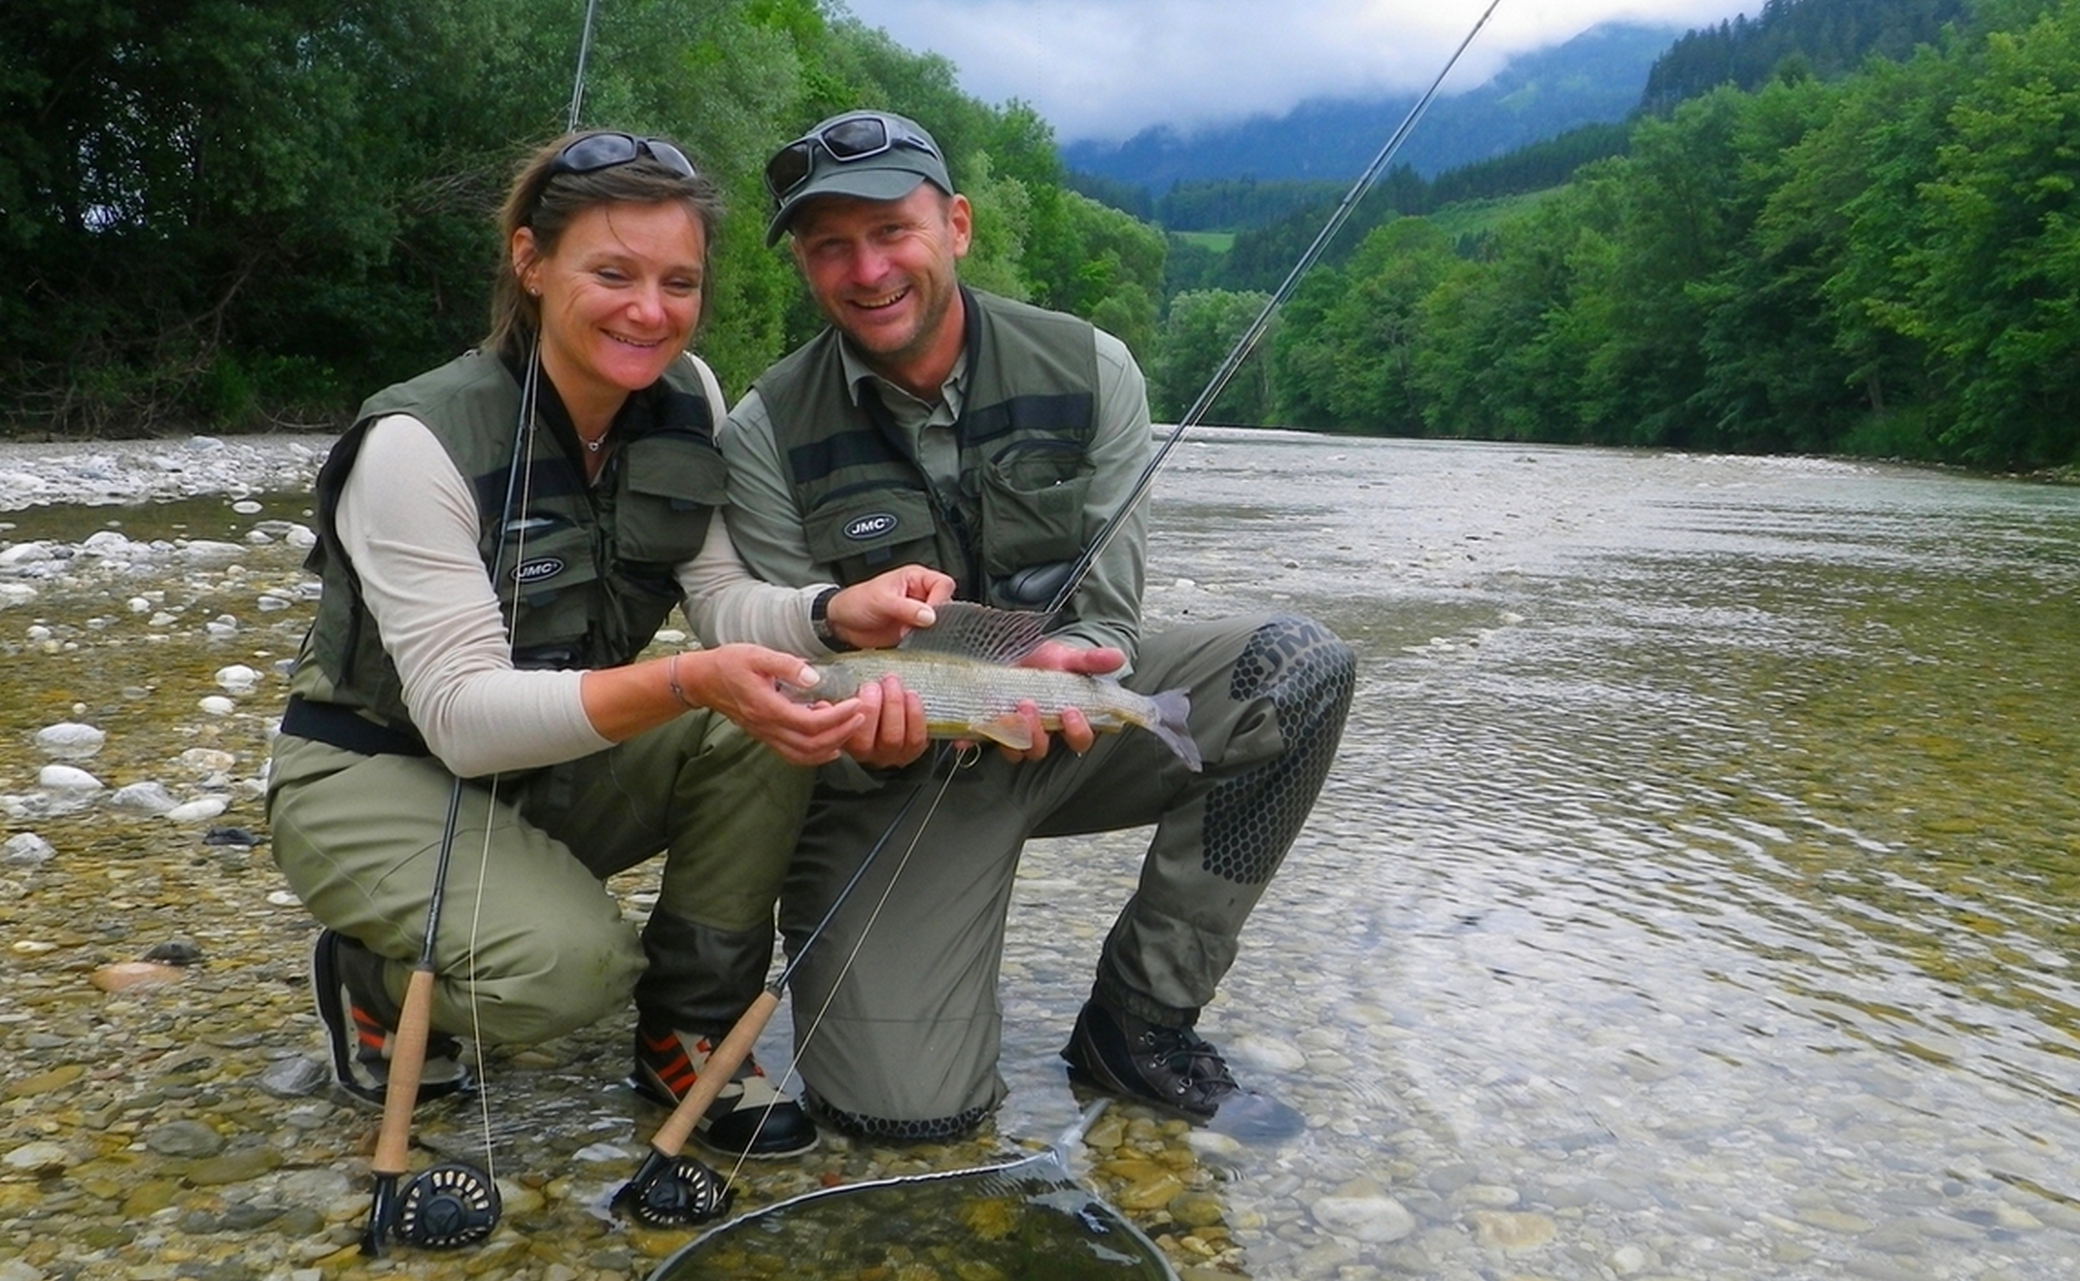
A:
x: 447, y: 1207
x: 674, y: 1192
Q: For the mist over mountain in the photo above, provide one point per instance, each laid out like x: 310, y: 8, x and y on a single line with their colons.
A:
x: 1597, y: 77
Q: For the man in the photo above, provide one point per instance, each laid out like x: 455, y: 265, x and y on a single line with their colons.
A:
x: 992, y: 440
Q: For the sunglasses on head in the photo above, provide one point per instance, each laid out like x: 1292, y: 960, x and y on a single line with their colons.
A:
x: 597, y: 151
x: 847, y: 140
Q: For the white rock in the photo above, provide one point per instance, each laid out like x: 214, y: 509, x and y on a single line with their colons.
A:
x: 221, y: 626
x: 197, y: 811
x: 207, y: 551
x: 145, y: 798
x: 38, y: 633
x: 1268, y: 1053
x: 25, y: 554
x: 26, y: 849
x: 237, y: 678
x: 208, y: 760
x: 65, y: 778
x: 69, y: 740
x: 16, y: 594
x: 1374, y: 1219
x: 301, y: 538
x: 162, y: 619
x: 283, y: 898
x: 217, y: 705
x: 246, y: 507
x: 36, y: 1156
x: 270, y: 603
x: 139, y: 604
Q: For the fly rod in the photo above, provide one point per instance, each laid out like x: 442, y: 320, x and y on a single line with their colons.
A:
x: 1039, y: 582
x: 453, y: 1204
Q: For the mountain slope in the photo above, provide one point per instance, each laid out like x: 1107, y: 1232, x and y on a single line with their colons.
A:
x: 1596, y: 77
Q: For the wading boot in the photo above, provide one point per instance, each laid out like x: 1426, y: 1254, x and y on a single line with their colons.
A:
x: 1170, y: 1067
x: 749, y: 1117
x: 346, y: 980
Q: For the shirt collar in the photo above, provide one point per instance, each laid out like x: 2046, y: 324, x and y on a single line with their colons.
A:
x: 858, y: 373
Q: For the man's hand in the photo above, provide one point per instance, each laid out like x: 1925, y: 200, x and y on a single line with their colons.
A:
x: 1077, y: 734
x: 893, y: 732
x: 887, y: 607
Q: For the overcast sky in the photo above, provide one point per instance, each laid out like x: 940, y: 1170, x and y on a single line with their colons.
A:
x: 1110, y: 68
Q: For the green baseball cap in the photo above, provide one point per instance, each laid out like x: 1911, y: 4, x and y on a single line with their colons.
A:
x: 869, y: 155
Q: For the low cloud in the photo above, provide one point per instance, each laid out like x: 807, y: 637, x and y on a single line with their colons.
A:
x: 1106, y: 69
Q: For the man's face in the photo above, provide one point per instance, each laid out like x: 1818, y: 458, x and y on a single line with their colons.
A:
x: 883, y: 271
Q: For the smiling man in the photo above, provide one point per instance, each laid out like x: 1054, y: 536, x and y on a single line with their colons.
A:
x: 940, y: 425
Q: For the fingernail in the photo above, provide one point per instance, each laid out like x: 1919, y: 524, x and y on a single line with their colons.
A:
x: 808, y: 677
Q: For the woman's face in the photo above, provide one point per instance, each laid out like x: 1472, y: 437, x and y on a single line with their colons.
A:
x: 619, y: 297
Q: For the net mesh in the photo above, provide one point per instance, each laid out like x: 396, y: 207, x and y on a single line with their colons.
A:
x: 1028, y: 1220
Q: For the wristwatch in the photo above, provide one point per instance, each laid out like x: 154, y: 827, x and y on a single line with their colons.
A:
x: 820, y: 623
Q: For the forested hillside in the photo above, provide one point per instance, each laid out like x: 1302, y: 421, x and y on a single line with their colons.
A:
x: 237, y: 213
x: 1888, y: 263
x: 1824, y: 37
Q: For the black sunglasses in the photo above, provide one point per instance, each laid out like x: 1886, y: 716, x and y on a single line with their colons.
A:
x: 847, y: 140
x: 605, y: 150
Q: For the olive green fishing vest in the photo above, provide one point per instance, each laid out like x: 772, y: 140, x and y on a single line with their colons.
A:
x: 1024, y: 438
x: 585, y: 572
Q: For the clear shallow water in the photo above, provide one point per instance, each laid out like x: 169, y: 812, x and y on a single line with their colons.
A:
x: 1692, y: 896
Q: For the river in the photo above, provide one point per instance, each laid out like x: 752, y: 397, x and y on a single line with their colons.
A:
x: 1692, y: 897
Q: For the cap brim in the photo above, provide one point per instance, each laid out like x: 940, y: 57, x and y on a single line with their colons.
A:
x: 861, y: 184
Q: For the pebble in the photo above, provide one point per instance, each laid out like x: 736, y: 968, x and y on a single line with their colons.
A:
x: 26, y: 849
x: 1373, y: 1219
x: 67, y: 778
x: 69, y: 740
x: 146, y: 798
x: 127, y: 976
x: 198, y: 811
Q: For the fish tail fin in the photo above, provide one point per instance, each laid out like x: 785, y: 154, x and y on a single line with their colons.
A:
x: 1173, y: 712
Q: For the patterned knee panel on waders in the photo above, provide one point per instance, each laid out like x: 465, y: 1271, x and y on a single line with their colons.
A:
x: 1309, y: 675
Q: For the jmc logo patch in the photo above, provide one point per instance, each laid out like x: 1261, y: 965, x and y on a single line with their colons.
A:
x: 872, y: 526
x: 535, y: 571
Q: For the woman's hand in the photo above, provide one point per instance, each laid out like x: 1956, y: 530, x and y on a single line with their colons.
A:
x: 745, y: 683
x: 887, y: 607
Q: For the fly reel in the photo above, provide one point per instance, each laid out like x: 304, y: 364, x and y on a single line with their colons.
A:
x: 447, y: 1207
x: 673, y: 1192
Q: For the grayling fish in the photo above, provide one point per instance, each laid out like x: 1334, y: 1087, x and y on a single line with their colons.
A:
x: 960, y: 669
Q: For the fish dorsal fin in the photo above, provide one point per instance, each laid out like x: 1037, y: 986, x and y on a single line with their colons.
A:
x: 980, y: 632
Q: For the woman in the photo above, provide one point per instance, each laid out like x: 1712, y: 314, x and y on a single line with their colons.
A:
x: 482, y: 620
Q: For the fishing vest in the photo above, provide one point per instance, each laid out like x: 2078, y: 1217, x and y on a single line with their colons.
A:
x: 584, y: 572
x: 1024, y: 437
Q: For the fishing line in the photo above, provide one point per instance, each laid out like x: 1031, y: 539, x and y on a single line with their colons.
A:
x: 961, y: 760
x: 1248, y: 341
x: 520, y: 478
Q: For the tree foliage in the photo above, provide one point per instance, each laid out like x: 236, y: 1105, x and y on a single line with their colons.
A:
x: 1888, y: 262
x: 233, y: 213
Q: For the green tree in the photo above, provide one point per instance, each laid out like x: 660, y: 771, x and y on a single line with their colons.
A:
x: 1197, y: 338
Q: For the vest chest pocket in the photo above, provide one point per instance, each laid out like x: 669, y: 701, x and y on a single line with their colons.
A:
x: 549, y: 589
x: 865, y: 533
x: 670, y: 485
x: 1032, y: 508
